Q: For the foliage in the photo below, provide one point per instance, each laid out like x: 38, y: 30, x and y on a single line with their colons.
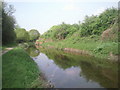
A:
x: 93, y: 45
x: 34, y: 34
x: 21, y: 34
x: 8, y: 24
x: 97, y: 24
x: 106, y: 48
x: 61, y: 31
x: 0, y: 15
x: 92, y: 25
x: 88, y: 34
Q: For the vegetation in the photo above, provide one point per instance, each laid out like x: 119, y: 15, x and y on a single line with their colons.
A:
x: 94, y: 46
x: 20, y: 73
x: 8, y: 34
x: 34, y: 35
x: 96, y: 34
x: 61, y: 31
x: 92, y: 25
x: 19, y: 70
x: 22, y: 35
x: 0, y: 16
x: 25, y: 36
x: 13, y: 32
x: 12, y: 44
x: 95, y: 25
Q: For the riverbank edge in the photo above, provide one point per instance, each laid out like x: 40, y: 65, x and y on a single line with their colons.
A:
x: 39, y: 82
x: 110, y: 57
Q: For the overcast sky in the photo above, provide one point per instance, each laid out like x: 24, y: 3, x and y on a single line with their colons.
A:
x: 43, y: 14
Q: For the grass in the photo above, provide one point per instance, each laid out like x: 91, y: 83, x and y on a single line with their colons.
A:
x: 19, y: 70
x: 13, y: 44
x: 95, y: 46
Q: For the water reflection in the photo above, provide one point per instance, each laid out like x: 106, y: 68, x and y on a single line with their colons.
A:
x: 33, y: 52
x: 74, y: 71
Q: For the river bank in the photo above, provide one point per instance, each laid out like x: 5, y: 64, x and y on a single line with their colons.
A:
x: 20, y: 71
x: 91, y: 46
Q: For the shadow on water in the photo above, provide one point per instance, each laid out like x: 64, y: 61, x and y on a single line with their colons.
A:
x: 70, y: 70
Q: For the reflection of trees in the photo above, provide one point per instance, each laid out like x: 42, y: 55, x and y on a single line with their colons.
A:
x: 61, y: 60
x: 106, y: 77
x: 32, y: 51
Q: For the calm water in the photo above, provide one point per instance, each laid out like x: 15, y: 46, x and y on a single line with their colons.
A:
x: 66, y: 70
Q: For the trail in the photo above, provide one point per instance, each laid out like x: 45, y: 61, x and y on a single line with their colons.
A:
x: 6, y: 50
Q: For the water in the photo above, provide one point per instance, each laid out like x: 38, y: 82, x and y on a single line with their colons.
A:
x: 66, y: 70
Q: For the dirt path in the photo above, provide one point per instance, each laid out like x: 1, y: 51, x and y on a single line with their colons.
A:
x: 6, y: 50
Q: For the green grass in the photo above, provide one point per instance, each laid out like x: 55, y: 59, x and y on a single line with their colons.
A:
x: 19, y: 70
x: 95, y: 46
x: 13, y: 44
x: 10, y: 44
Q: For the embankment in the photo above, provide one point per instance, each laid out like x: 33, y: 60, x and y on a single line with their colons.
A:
x: 20, y: 71
x: 105, y: 50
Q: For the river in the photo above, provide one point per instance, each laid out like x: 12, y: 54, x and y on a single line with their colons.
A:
x: 69, y: 70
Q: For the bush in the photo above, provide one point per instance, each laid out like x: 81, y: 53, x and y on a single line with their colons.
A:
x: 22, y: 35
x: 34, y: 34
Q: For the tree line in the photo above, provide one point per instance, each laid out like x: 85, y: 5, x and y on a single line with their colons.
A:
x: 91, y: 26
x: 23, y: 36
x: 11, y: 32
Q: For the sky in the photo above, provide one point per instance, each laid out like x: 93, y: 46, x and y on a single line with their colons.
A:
x: 43, y: 14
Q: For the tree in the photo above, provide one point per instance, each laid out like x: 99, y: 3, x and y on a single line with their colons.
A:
x: 8, y: 24
x: 92, y: 25
x: 61, y: 31
x: 0, y: 22
x: 107, y: 17
x: 22, y: 35
x: 95, y: 25
x: 1, y: 15
x: 34, y: 35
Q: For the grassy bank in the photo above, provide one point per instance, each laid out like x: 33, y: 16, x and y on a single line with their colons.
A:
x: 4, y: 46
x: 20, y: 71
x: 95, y: 46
